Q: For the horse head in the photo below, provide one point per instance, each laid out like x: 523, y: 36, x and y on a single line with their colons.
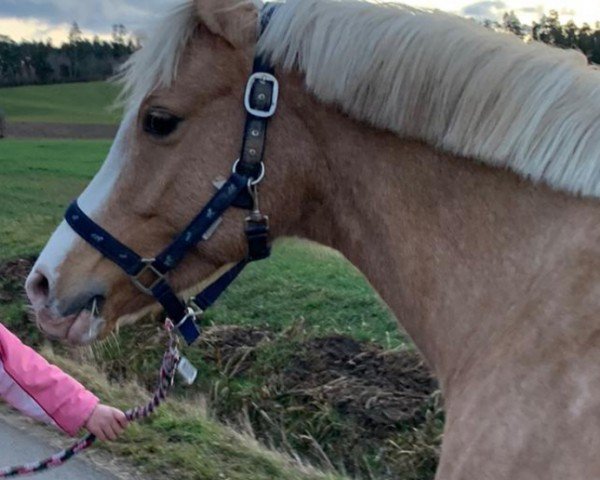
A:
x: 181, y: 132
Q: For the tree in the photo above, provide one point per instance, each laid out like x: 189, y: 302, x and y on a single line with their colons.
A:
x: 10, y: 60
x: 119, y: 33
x: 549, y: 30
x: 39, y: 61
x: 75, y: 34
x: 511, y: 23
x: 570, y: 33
x: 491, y: 24
x: 78, y: 60
x: 2, y: 123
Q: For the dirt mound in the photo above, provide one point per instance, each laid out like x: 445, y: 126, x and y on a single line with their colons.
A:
x: 377, y: 388
x: 12, y: 278
x: 335, y: 401
x: 59, y: 130
x: 231, y: 348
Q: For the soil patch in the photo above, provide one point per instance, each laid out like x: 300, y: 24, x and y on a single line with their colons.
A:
x: 59, y: 131
x: 12, y: 279
x: 338, y: 402
x: 231, y: 348
x: 377, y: 388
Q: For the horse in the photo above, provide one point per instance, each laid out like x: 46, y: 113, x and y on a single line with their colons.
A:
x: 455, y: 166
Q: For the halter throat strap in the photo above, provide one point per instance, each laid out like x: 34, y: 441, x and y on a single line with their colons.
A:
x: 149, y: 275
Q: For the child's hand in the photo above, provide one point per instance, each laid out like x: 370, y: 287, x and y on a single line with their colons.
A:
x: 107, y: 423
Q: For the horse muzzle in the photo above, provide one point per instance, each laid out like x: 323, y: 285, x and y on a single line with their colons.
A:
x: 77, y: 321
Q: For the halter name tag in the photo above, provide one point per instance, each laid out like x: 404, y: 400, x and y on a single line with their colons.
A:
x: 186, y: 370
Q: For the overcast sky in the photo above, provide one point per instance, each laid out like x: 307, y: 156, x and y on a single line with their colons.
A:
x: 42, y: 19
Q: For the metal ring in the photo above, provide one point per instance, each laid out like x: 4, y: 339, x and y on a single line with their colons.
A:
x: 190, y: 313
x: 252, y: 181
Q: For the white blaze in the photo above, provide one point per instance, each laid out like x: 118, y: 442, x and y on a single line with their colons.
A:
x: 91, y: 202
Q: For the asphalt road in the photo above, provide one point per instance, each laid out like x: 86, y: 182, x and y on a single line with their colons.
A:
x: 22, y: 442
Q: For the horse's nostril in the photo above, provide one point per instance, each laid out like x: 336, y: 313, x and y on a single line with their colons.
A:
x: 43, y: 287
x: 38, y: 288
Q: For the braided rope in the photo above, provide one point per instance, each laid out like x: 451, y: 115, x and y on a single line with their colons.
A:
x: 165, y: 381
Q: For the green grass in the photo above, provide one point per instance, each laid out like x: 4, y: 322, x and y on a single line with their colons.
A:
x: 37, y: 180
x: 303, y: 291
x: 316, y: 284
x: 85, y: 103
x: 181, y: 441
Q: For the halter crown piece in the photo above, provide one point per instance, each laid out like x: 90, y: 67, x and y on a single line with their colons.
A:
x: 240, y: 190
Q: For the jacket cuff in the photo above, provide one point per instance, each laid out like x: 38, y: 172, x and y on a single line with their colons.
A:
x: 73, y: 415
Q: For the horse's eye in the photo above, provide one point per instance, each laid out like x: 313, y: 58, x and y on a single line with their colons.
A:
x: 160, y: 123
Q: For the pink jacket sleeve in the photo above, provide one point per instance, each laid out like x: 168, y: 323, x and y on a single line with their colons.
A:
x: 40, y: 390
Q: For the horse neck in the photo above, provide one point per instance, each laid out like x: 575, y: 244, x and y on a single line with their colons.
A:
x: 476, y: 264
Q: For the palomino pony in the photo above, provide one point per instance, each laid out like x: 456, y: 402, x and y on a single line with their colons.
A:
x: 455, y: 166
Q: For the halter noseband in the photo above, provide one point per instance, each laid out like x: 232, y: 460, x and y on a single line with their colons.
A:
x: 240, y: 190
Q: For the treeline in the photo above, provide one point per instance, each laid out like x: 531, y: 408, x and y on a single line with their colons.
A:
x: 78, y: 60
x: 82, y: 60
x: 551, y: 31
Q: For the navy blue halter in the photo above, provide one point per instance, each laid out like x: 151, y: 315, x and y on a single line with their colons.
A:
x: 149, y: 274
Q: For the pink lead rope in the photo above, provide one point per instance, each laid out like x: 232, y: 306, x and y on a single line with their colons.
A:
x: 172, y: 362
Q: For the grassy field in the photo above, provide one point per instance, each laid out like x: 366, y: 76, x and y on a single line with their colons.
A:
x: 40, y: 178
x: 303, y: 292
x: 277, y: 358
x: 83, y: 103
x: 181, y: 441
x: 37, y: 180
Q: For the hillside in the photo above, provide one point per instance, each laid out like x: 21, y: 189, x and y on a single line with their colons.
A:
x: 300, y: 353
x: 82, y: 103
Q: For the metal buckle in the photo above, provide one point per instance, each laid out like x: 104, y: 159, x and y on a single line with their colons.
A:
x: 261, y: 77
x: 257, y: 217
x: 257, y: 235
x: 148, y: 267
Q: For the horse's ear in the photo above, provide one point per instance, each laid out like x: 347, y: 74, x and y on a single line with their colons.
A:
x: 234, y: 20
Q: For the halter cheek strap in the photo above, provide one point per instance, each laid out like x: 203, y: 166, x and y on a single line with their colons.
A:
x: 240, y: 190
x: 149, y: 274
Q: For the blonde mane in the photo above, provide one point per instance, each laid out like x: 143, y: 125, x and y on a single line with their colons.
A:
x: 427, y: 75
x: 155, y: 65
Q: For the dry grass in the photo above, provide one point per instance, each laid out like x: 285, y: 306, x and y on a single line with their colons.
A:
x: 183, y: 441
